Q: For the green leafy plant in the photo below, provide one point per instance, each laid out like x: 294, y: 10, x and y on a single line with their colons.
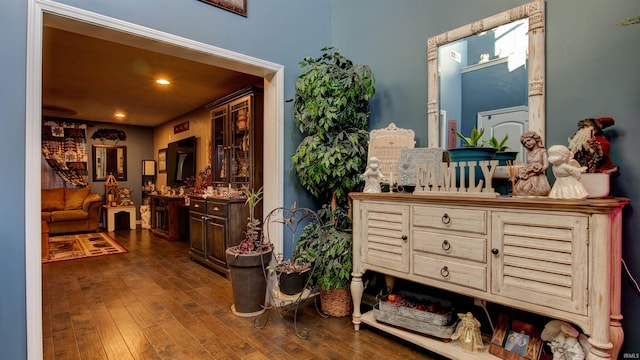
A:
x: 331, y: 106
x: 253, y: 242
x: 330, y: 244
x: 499, y: 145
x: 474, y: 140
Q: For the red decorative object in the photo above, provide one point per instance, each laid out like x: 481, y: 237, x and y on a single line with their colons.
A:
x: 184, y: 126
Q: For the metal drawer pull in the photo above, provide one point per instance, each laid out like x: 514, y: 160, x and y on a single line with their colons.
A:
x: 446, y: 246
x: 495, y: 251
x: 444, y: 272
x: 196, y: 206
x: 216, y: 209
x: 446, y: 219
x: 404, y: 237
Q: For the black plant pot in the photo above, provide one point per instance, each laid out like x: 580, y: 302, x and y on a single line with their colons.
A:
x: 248, y: 282
x: 292, y: 283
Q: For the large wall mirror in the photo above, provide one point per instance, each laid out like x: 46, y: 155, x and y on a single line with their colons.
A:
x: 488, y: 74
x: 108, y: 159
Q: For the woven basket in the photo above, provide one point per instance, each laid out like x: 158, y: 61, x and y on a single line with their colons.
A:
x: 336, y: 303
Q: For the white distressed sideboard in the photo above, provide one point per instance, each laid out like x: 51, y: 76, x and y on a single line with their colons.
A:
x: 556, y: 258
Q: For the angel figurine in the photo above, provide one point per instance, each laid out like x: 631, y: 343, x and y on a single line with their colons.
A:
x: 372, y: 176
x: 567, y: 172
x: 468, y: 333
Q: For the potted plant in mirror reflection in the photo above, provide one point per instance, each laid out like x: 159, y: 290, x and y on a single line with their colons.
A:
x: 291, y: 272
x: 472, y: 149
x: 502, y: 154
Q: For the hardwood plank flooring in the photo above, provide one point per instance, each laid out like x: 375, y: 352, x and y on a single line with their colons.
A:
x: 155, y: 303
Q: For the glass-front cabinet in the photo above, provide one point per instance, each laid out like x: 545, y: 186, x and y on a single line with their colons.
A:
x: 237, y: 139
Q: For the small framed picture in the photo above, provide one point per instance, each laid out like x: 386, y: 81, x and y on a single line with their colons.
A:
x: 514, y: 338
x: 517, y: 342
x: 162, y: 160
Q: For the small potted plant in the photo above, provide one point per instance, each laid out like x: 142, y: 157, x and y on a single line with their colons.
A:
x: 291, y: 272
x: 247, y: 263
x: 502, y: 155
x: 472, y: 149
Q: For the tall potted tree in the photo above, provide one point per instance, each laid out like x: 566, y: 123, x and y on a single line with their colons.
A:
x: 331, y: 106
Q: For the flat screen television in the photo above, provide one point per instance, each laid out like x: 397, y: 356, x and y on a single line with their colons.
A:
x: 181, y: 161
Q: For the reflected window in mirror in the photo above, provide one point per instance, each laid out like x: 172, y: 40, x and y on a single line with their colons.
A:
x: 108, y: 159
x: 488, y: 74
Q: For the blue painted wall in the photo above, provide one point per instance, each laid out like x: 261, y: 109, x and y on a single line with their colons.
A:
x: 591, y: 71
x: 591, y: 68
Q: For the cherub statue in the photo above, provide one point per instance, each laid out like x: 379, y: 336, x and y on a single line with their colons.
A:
x: 532, y: 177
x: 468, y: 333
x: 145, y: 216
x: 563, y: 340
x: 567, y: 172
x: 372, y: 176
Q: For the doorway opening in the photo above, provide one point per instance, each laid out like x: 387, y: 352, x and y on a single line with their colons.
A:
x: 273, y: 150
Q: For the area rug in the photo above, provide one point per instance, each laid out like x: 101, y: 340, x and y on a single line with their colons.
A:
x: 78, y: 246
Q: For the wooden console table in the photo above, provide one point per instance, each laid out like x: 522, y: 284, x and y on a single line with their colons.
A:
x: 556, y: 258
x: 165, y: 219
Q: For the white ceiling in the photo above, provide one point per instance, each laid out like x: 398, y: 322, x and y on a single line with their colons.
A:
x: 91, y: 77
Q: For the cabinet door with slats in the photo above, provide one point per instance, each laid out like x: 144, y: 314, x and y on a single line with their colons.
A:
x: 541, y: 258
x: 385, y: 240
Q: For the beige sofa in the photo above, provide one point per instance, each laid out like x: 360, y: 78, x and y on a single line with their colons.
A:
x: 71, y: 210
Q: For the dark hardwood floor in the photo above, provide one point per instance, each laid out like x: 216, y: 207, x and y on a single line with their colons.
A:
x: 155, y: 303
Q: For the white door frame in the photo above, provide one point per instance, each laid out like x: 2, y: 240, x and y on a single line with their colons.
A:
x: 273, y: 151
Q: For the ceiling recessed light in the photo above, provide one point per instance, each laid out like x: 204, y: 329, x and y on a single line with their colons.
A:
x: 120, y: 115
x: 163, y: 81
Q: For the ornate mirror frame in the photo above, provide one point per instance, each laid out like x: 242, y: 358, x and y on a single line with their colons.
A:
x: 534, y: 11
x: 109, y: 159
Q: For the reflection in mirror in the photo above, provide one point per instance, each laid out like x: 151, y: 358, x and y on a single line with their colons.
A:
x: 109, y: 159
x: 488, y: 74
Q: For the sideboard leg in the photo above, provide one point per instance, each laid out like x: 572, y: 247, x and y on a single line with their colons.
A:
x: 357, y: 290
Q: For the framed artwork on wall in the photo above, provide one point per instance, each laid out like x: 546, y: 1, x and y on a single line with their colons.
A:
x: 162, y: 160
x: 235, y: 6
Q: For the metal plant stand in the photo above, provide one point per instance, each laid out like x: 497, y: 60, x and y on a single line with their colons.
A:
x: 297, y: 221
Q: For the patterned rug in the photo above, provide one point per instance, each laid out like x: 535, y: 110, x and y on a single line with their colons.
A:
x: 78, y: 246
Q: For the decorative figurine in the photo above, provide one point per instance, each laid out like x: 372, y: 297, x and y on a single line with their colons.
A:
x: 468, y: 333
x: 591, y: 148
x: 567, y: 172
x: 125, y: 197
x: 563, y: 340
x: 372, y: 176
x: 532, y: 179
x: 145, y: 216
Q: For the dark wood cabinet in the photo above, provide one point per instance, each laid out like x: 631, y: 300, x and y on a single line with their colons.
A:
x: 165, y: 217
x: 216, y: 224
x: 237, y: 130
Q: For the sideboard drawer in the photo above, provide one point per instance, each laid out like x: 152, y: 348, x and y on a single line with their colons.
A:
x: 217, y: 209
x: 451, y: 272
x: 463, y: 247
x: 197, y: 206
x: 459, y: 219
